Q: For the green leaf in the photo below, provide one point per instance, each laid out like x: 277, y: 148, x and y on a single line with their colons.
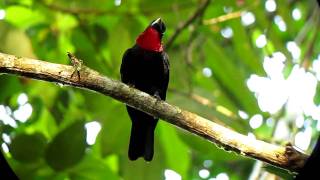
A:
x: 60, y: 106
x: 142, y: 170
x: 65, y: 44
x: 210, y: 150
x: 231, y: 79
x: 9, y: 85
x: 44, y: 124
x: 22, y: 2
x: 116, y: 130
x: 316, y: 98
x: 28, y: 147
x: 241, y: 43
x: 37, y: 106
x: 91, y: 168
x: 45, y: 42
x: 118, y: 44
x: 210, y: 113
x: 113, y: 162
x: 67, y: 148
x: 23, y: 17
x: 279, y: 172
x: 176, y: 152
x: 65, y: 22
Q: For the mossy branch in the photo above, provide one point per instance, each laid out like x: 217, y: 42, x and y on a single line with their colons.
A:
x: 283, y: 157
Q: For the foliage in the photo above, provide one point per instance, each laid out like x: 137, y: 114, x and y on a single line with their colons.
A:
x: 209, y: 72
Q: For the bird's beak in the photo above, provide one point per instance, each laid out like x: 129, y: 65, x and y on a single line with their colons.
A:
x: 156, y: 21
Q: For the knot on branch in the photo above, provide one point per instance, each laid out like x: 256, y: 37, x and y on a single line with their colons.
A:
x: 296, y: 158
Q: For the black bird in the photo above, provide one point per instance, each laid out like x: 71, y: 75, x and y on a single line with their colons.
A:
x: 145, y: 66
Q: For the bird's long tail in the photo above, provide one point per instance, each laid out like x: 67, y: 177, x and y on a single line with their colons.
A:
x: 142, y: 135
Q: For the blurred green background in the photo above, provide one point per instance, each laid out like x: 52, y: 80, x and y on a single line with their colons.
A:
x: 250, y: 65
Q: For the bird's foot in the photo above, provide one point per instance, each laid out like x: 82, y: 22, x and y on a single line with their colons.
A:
x: 77, y: 65
x: 131, y: 85
x: 157, y: 96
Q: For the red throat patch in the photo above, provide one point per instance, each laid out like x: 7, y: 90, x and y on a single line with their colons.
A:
x: 150, y: 40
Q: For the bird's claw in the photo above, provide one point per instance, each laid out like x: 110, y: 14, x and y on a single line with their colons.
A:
x: 131, y: 85
x: 76, y: 63
x: 158, y: 99
x: 157, y: 96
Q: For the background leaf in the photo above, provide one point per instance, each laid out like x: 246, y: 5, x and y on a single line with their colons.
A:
x: 28, y: 148
x: 61, y: 154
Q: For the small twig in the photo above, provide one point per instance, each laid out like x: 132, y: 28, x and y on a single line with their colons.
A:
x: 192, y: 42
x: 76, y: 10
x: 306, y: 62
x: 189, y: 21
x: 229, y: 116
x: 222, y: 18
x: 229, y: 16
x: 307, y: 26
x: 113, y: 11
x: 205, y: 102
x: 190, y: 69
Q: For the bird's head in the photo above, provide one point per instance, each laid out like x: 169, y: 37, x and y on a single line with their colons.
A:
x: 150, y: 38
x: 159, y: 26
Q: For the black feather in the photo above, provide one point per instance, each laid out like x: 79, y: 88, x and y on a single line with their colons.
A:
x: 147, y: 71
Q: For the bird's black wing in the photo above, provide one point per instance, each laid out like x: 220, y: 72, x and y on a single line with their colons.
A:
x: 166, y: 74
x: 125, y: 70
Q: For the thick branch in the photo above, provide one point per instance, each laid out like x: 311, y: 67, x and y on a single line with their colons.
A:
x: 284, y: 157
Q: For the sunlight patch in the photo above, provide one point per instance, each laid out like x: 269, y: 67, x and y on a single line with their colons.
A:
x: 296, y: 14
x: 247, y: 18
x: 256, y: 121
x: 23, y: 113
x: 22, y: 99
x: 2, y: 14
x: 222, y: 176
x: 270, y: 5
x: 171, y: 175
x: 227, y: 32
x: 303, y: 138
x: 5, y: 116
x: 204, y: 173
x: 280, y: 23
x: 93, y: 128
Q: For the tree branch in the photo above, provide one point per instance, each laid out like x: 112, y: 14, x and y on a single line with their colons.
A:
x: 222, y: 18
x: 199, y: 11
x: 283, y: 157
x: 96, y: 11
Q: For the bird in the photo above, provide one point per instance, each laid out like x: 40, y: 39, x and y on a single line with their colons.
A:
x: 145, y: 66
